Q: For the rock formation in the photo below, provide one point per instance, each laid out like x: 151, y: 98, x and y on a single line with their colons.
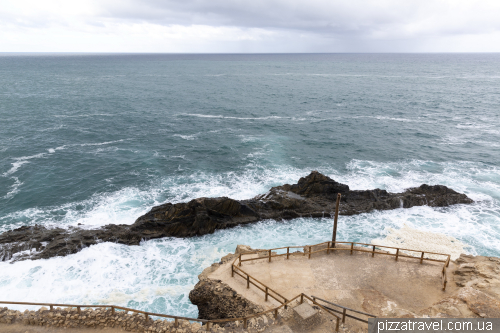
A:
x: 215, y: 299
x: 312, y: 196
x: 479, y: 293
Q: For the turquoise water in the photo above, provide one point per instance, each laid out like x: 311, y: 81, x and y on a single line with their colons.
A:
x: 99, y: 139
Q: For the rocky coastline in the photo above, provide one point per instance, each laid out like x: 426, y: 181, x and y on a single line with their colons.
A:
x: 313, y: 196
x: 477, y: 296
x: 477, y: 293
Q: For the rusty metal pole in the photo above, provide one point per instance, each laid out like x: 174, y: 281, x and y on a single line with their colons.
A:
x: 334, y: 237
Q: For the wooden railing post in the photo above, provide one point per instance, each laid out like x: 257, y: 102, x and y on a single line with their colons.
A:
x: 397, y: 254
x: 275, y: 313
x: 248, y: 281
x: 208, y: 326
x: 176, y: 323
x: 232, y: 270
x: 352, y: 247
x: 334, y: 235
x: 337, y: 326
x: 288, y: 252
x: 309, y: 252
x: 51, y: 308
x: 422, y: 257
x: 112, y: 310
x: 443, y: 277
x: 301, y: 298
x: 328, y: 248
x: 448, y: 262
x: 146, y: 315
x: 244, y: 323
x: 267, y: 292
x: 373, y: 251
x: 269, y: 255
x: 79, y: 309
x: 343, y: 316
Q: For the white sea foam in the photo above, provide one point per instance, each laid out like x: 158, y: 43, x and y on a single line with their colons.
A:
x: 84, y: 115
x: 138, y: 276
x: 405, y: 120
x: 157, y: 275
x: 240, y: 118
x: 186, y: 137
x: 19, y: 161
x: 120, y: 207
x: 101, y: 143
x: 409, y: 238
x: 14, y: 189
x: 15, y: 167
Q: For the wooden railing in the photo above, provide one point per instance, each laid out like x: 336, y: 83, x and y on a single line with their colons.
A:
x: 344, y: 311
x: 113, y: 309
x: 251, y: 280
x: 177, y: 318
x: 327, y: 246
x: 275, y: 311
x: 236, y: 269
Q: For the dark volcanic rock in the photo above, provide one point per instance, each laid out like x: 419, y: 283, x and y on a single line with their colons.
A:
x: 312, y: 196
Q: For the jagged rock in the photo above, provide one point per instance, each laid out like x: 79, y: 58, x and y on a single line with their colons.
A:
x: 216, y: 300
x: 313, y: 196
x: 479, y: 272
x: 243, y: 249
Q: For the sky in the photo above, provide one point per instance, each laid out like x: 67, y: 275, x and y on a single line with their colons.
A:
x: 249, y: 26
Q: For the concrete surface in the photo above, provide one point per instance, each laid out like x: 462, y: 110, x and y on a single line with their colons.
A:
x: 379, y: 285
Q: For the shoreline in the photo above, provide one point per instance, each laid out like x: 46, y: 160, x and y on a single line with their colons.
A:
x: 476, y: 279
x: 313, y: 196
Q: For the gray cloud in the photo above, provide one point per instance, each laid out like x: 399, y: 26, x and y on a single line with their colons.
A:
x: 251, y: 25
x: 321, y: 16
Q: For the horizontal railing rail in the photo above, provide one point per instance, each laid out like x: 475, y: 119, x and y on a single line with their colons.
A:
x: 113, y: 308
x: 354, y: 247
x: 275, y: 310
x: 177, y: 318
x: 344, y: 311
x: 250, y: 280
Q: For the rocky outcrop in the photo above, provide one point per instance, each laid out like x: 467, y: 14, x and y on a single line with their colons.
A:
x: 482, y: 273
x: 479, y: 293
x: 216, y: 300
x: 313, y: 196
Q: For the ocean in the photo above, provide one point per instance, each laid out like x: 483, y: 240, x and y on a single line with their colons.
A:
x: 95, y: 139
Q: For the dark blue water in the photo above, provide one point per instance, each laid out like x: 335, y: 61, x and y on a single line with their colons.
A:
x: 99, y: 139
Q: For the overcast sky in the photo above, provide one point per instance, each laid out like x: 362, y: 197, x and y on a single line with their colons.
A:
x: 245, y: 26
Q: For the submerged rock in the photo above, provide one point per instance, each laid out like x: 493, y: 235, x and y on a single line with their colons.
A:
x: 313, y: 196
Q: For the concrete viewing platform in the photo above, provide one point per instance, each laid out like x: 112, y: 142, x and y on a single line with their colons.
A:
x: 378, y: 285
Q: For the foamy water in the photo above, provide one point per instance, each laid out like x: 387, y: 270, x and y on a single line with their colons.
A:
x: 413, y: 239
x: 158, y: 274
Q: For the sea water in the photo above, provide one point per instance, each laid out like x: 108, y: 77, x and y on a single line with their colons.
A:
x: 92, y: 140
